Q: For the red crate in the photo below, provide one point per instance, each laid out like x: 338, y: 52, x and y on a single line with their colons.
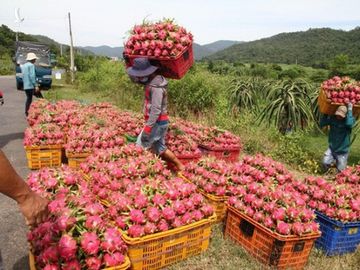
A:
x: 174, y: 68
x: 268, y: 247
x: 231, y: 155
x: 185, y: 159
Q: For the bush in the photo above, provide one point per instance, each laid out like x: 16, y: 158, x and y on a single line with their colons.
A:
x: 110, y: 79
x: 6, y: 65
x: 290, y: 149
x: 197, y: 92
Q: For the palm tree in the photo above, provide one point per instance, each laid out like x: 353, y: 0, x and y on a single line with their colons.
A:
x: 288, y: 105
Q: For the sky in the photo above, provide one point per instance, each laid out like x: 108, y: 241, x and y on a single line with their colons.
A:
x: 107, y: 22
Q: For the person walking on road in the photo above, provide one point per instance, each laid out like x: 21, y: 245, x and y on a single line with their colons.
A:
x: 155, y: 109
x: 29, y: 79
x: 341, y: 125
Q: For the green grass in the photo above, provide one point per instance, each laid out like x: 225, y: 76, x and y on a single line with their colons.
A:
x: 318, y: 143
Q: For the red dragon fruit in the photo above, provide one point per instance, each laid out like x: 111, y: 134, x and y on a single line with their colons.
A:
x: 90, y: 243
x: 136, y: 231
x: 137, y: 216
x: 93, y: 263
x: 114, y: 259
x: 153, y: 214
x: 283, y: 228
x: 168, y: 213
x: 67, y: 247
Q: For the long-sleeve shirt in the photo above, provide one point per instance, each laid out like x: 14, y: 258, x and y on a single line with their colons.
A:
x: 29, y: 77
x: 340, y: 131
x: 155, y: 105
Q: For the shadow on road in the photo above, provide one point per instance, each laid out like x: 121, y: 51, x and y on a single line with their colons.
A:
x: 5, y: 139
x: 22, y: 264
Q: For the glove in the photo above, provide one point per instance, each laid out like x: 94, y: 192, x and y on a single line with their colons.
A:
x: 145, y: 137
x: 350, y: 106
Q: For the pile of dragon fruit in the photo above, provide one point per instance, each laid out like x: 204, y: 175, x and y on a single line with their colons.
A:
x: 181, y: 144
x: 142, y: 196
x: 86, y: 138
x: 44, y: 134
x: 339, y: 201
x: 342, y: 90
x: 210, y: 138
x: 163, y: 39
x: 76, y: 234
x: 85, y: 128
x: 257, y: 187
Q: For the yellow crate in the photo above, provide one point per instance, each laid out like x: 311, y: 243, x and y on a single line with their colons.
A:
x: 162, y: 249
x: 124, y: 266
x: 326, y: 107
x: 217, y: 202
x: 43, y: 156
x: 74, y: 160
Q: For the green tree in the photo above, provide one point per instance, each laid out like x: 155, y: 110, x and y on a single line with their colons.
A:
x: 339, y: 65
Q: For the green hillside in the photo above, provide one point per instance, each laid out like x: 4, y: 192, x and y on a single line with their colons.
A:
x: 315, y: 47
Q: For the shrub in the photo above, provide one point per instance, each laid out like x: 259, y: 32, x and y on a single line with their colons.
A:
x: 197, y: 92
x: 290, y: 149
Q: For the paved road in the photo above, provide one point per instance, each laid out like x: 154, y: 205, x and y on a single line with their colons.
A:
x: 13, y: 244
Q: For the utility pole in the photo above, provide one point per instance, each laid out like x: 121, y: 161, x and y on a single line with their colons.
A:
x: 72, y: 68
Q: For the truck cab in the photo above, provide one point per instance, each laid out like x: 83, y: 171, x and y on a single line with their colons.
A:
x: 43, y: 68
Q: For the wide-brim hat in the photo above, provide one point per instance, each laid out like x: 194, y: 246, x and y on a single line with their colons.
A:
x: 141, y: 68
x: 31, y: 56
x: 341, y: 111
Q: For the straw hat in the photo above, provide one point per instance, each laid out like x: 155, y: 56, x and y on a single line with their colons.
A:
x: 31, y: 56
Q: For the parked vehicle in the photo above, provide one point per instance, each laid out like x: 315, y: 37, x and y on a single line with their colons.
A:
x: 42, y: 65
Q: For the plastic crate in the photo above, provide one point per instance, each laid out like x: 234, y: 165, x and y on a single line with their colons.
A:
x: 217, y: 202
x: 268, y: 247
x: 185, y: 159
x: 75, y: 159
x: 230, y: 155
x: 337, y: 238
x: 162, y: 249
x: 124, y: 266
x: 329, y: 108
x: 174, y: 68
x: 43, y: 156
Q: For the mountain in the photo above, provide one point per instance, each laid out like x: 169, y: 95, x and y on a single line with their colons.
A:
x: 313, y: 47
x: 220, y: 45
x: 105, y: 50
x: 200, y: 51
x: 55, y: 46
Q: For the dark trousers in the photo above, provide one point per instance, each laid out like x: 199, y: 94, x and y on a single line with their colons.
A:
x: 29, y: 96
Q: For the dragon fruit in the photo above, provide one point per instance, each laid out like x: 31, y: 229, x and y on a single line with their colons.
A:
x: 90, y: 243
x: 67, y: 247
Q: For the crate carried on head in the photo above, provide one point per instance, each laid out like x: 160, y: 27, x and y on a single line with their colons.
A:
x: 167, y: 45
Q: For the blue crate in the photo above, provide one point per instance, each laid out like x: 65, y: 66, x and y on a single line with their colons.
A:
x: 336, y: 237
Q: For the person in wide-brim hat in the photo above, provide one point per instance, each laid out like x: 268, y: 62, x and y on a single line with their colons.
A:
x: 153, y: 135
x: 341, y: 124
x: 31, y: 56
x: 30, y: 85
x: 141, y: 68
